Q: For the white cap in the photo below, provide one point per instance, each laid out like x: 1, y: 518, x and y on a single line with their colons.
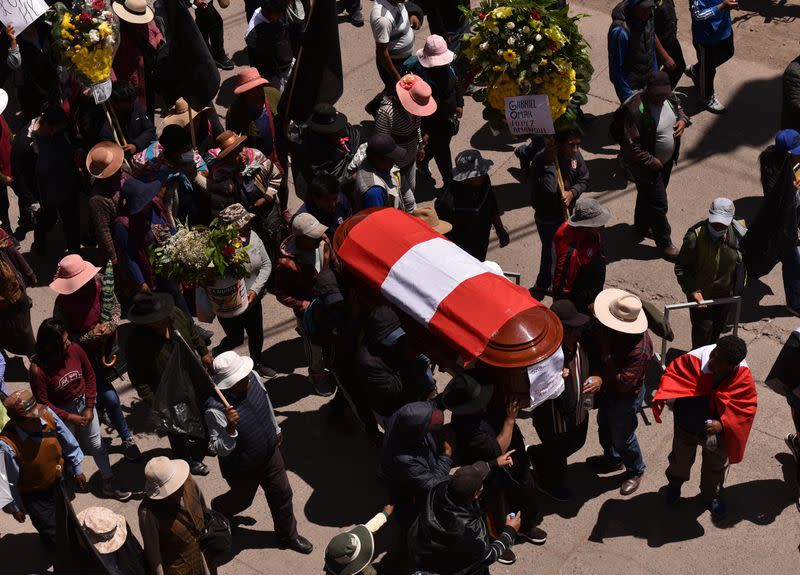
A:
x: 721, y: 211
x: 307, y: 225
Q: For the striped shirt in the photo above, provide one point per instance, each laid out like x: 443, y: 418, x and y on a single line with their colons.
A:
x: 393, y: 119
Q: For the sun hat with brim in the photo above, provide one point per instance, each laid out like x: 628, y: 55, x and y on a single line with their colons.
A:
x: 247, y: 79
x: 621, y: 311
x: 229, y: 142
x: 105, y: 529
x: 138, y: 194
x: 133, y: 11
x: 589, y: 213
x: 435, y: 52
x: 3, y: 100
x: 470, y: 164
x: 428, y: 215
x: 569, y: 314
x: 21, y: 404
x: 465, y: 395
x: 179, y: 113
x: 415, y: 95
x: 104, y: 159
x: 326, y: 120
x: 230, y: 368
x: 73, y: 273
x: 236, y: 215
x: 721, y: 211
x: 350, y: 552
x: 147, y: 308
x: 164, y: 476
x: 304, y: 224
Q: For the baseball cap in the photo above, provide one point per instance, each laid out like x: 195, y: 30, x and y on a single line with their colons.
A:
x: 307, y: 225
x: 721, y: 211
x: 384, y: 145
x: 658, y: 83
x: 788, y: 142
x: 467, y: 480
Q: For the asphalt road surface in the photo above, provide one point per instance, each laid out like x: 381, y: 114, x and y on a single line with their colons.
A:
x: 333, y: 469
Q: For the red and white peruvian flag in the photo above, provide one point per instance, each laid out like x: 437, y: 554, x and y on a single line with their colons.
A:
x: 458, y: 298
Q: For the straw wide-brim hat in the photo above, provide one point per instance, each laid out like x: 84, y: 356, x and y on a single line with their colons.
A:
x: 133, y: 11
x: 105, y: 529
x: 104, y: 159
x: 247, y: 79
x: 228, y: 142
x: 415, y: 95
x: 3, y: 100
x: 428, y: 215
x: 621, y: 311
x: 164, y: 476
x: 179, y: 114
x: 73, y: 273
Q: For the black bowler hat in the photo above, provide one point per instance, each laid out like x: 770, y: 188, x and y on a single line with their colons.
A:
x: 465, y: 395
x: 569, y: 314
x: 326, y: 120
x: 149, y: 308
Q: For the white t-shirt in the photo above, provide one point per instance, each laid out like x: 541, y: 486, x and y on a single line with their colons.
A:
x: 390, y: 26
x: 665, y: 140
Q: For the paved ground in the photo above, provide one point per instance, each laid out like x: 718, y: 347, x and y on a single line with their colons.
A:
x: 332, y: 469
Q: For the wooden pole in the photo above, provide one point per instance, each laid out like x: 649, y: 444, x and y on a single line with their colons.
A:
x: 111, y: 123
x: 191, y: 128
x: 118, y: 126
x: 222, y: 397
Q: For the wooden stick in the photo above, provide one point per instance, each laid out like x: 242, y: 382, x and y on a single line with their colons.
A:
x: 191, y: 128
x: 222, y: 397
x: 109, y: 113
x: 118, y: 126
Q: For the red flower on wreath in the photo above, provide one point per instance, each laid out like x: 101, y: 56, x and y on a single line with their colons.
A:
x: 98, y: 5
x: 85, y: 18
x: 536, y: 15
x: 552, y: 46
x: 482, y: 15
x: 228, y: 251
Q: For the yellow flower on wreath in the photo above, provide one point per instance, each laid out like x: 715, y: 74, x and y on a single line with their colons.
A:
x: 509, y: 55
x: 556, y: 35
x: 504, y: 87
x: 502, y: 12
x: 105, y: 29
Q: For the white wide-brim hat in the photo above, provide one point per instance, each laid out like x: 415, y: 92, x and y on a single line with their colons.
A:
x: 164, y: 476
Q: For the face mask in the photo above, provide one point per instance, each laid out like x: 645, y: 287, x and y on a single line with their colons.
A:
x: 715, y: 234
x: 188, y: 157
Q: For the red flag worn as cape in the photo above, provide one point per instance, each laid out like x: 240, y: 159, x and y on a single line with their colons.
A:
x: 735, y: 400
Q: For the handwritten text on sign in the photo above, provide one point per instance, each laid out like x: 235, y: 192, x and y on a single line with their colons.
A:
x: 21, y: 13
x: 529, y: 115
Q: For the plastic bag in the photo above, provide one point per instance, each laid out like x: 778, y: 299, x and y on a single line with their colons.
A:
x: 203, y: 309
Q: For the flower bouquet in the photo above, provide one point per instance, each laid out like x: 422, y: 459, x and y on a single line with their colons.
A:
x: 86, y: 37
x: 521, y: 47
x: 213, y: 258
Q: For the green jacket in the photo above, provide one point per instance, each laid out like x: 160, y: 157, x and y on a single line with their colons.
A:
x: 707, y: 266
x: 147, y: 353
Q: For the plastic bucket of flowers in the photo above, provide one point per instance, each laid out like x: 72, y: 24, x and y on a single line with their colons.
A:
x: 212, y: 258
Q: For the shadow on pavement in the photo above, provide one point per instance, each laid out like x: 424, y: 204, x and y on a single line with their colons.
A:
x: 781, y: 11
x: 15, y: 546
x: 622, y: 242
x: 587, y: 485
x: 288, y: 389
x: 483, y: 139
x: 752, y: 310
x: 754, y: 105
x: 286, y: 355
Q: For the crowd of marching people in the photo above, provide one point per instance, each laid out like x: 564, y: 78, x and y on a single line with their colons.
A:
x: 460, y: 481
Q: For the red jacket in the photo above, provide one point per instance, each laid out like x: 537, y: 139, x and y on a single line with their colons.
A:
x: 579, y: 265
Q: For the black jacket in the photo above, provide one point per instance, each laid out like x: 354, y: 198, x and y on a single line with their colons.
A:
x: 545, y: 197
x: 137, y: 128
x: 641, y: 44
x: 450, y: 538
x: 386, y: 378
x: 269, y: 47
x: 410, y: 461
x: 790, y: 117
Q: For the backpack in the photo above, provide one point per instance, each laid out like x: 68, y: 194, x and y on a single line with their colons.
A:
x: 11, y: 292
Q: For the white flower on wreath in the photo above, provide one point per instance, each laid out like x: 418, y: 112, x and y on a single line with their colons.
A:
x: 510, y: 25
x: 94, y: 36
x: 525, y: 29
x: 538, y: 37
x: 108, y: 41
x: 529, y: 49
x: 495, y: 30
x: 511, y: 41
x: 484, y: 46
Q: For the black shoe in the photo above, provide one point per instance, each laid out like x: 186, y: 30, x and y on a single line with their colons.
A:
x: 534, y: 535
x: 299, y: 544
x: 224, y: 63
x: 198, y: 468
x: 508, y: 557
x: 266, y: 373
x: 357, y: 19
x: 603, y: 464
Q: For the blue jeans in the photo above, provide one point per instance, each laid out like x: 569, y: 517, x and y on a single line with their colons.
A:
x: 89, y: 437
x: 108, y: 400
x: 546, y: 232
x: 617, y: 420
x: 791, y: 278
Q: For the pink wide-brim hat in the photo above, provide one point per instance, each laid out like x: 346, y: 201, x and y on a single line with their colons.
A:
x: 73, y: 273
x: 247, y: 79
x: 415, y: 95
x: 435, y: 53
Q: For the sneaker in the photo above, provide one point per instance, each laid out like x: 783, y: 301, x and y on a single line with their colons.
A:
x: 712, y: 105
x: 719, y: 511
x: 559, y: 493
x: 198, y: 468
x: 508, y: 557
x: 794, y: 447
x: 673, y: 494
x: 224, y: 63
x: 357, y: 19
x: 266, y: 373
x: 130, y: 450
x: 534, y: 535
x: 108, y: 490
